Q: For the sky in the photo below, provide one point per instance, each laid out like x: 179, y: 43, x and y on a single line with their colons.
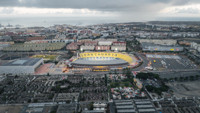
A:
x: 122, y: 10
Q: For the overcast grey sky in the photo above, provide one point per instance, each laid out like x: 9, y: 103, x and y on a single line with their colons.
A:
x: 125, y: 10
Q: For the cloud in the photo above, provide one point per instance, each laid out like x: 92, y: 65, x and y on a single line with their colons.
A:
x: 89, y: 4
x: 182, y: 11
x: 6, y: 11
x: 128, y: 10
x: 189, y: 10
x: 129, y: 6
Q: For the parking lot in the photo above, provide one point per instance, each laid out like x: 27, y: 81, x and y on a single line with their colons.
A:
x: 169, y: 62
x: 185, y: 89
x: 173, y: 74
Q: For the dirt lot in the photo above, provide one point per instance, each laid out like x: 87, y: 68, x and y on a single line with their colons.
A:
x: 185, y: 89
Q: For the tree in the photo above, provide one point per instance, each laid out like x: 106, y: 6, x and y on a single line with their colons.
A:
x: 197, y: 77
x: 181, y: 78
x: 175, y: 78
x: 106, y: 79
x: 126, y: 84
x: 186, y: 78
x: 35, y: 100
x: 149, y: 88
x: 165, y: 79
x: 191, y: 78
x: 48, y: 74
x: 129, y: 75
x: 146, y: 76
x: 115, y: 71
x: 91, y: 106
x: 29, y: 100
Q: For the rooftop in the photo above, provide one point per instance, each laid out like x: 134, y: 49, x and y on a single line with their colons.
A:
x: 23, y: 62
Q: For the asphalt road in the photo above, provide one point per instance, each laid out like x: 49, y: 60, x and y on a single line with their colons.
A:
x: 144, y: 64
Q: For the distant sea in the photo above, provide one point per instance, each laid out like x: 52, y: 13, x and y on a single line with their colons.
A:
x: 50, y: 21
x: 79, y: 21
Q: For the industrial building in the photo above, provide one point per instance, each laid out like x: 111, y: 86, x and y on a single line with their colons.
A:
x: 87, y: 47
x: 72, y: 46
x: 134, y: 106
x: 107, y: 43
x: 161, y: 48
x: 67, y: 108
x: 5, y: 44
x: 35, y: 47
x: 118, y: 48
x: 22, y: 66
x: 124, y: 106
x: 119, y: 43
x: 196, y: 46
x: 102, y: 48
x: 90, y: 43
x: 159, y: 41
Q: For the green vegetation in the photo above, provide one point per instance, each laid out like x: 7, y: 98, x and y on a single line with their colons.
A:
x: 47, y: 58
x: 186, y: 78
x: 129, y: 75
x: 54, y: 109
x: 133, y: 45
x: 106, y: 79
x: 70, y: 54
x: 1, y: 89
x: 51, y: 96
x: 125, y: 82
x: 35, y: 100
x: 159, y: 90
x: 120, y: 84
x: 146, y: 76
x: 150, y: 88
x: 91, y: 106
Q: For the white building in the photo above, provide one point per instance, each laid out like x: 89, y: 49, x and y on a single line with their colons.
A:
x: 106, y: 43
x: 195, y: 46
x: 3, y: 46
x: 159, y: 41
x: 118, y: 48
x: 84, y: 47
x: 24, y: 66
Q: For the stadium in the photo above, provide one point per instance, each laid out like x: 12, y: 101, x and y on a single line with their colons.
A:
x: 104, y: 61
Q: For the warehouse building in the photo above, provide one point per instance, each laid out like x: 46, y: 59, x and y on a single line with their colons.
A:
x: 159, y: 41
x: 102, y: 48
x: 90, y: 43
x: 24, y: 66
x: 118, y: 48
x: 119, y: 43
x: 145, y: 106
x: 134, y: 106
x: 35, y: 47
x: 3, y: 46
x: 195, y: 46
x: 106, y: 43
x: 124, y: 106
x: 73, y: 46
x: 161, y: 48
x: 84, y: 47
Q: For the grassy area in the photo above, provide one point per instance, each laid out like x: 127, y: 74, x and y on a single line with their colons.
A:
x: 46, y: 57
x: 120, y: 84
